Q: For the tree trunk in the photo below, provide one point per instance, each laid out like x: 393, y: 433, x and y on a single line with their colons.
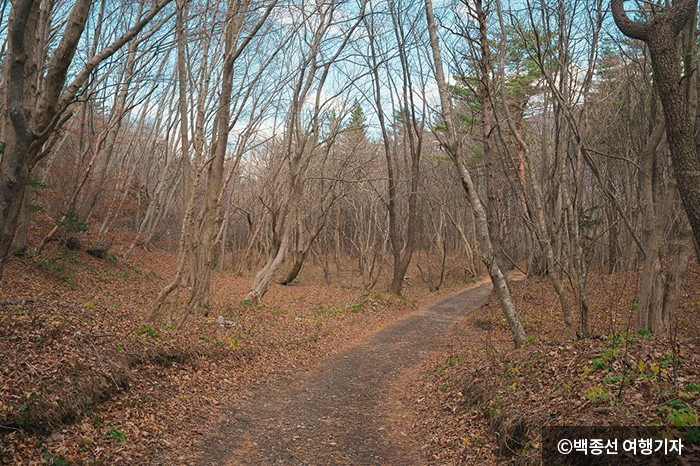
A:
x: 493, y: 196
x: 453, y: 143
x: 19, y: 147
x: 660, y: 35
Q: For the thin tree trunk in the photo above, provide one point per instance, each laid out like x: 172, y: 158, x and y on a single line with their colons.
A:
x: 454, y: 144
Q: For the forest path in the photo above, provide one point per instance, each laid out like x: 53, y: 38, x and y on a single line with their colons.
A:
x: 339, y: 413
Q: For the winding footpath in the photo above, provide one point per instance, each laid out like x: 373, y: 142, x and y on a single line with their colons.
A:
x: 338, y: 413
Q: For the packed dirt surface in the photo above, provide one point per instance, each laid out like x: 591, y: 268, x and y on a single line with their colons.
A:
x: 339, y: 413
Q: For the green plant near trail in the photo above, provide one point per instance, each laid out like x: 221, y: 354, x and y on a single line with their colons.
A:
x: 495, y: 406
x: 597, y: 395
x: 453, y: 360
x: 51, y: 461
x: 602, y: 362
x: 693, y: 435
x: 67, y: 279
x: 679, y: 413
x: 115, y: 434
x: 97, y: 421
x: 667, y: 360
x: 621, y: 339
x: 316, y: 321
x: 693, y: 387
x: 233, y: 343
x: 370, y: 303
x: 52, y: 264
x: 357, y: 307
x: 59, y: 269
x: 151, y: 331
x: 277, y: 311
x: 134, y: 269
x: 336, y: 311
x: 70, y: 257
x: 512, y: 371
x: 611, y: 379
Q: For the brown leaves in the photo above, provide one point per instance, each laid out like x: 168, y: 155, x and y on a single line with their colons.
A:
x: 72, y: 365
x: 623, y: 378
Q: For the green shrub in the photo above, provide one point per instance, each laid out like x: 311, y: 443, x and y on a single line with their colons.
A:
x: 679, y: 413
x: 667, y: 360
x: 600, y: 364
x: 151, y: 331
x: 597, y: 395
x: 453, y: 360
x: 116, y: 434
x: 693, y: 387
x: 620, y: 339
x: 59, y: 461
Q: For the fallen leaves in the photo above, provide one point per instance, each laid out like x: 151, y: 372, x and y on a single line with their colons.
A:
x: 495, y: 392
x: 85, y: 380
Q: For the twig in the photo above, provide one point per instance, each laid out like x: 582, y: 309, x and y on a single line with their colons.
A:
x: 99, y: 361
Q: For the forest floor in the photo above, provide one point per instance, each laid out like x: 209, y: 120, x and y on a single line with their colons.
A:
x: 319, y: 374
x: 482, y: 402
x: 85, y: 380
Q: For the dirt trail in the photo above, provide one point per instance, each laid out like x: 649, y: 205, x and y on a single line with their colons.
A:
x: 337, y: 414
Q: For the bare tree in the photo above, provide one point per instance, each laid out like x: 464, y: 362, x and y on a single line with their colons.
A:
x: 453, y: 143
x: 28, y: 128
x: 301, y: 142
